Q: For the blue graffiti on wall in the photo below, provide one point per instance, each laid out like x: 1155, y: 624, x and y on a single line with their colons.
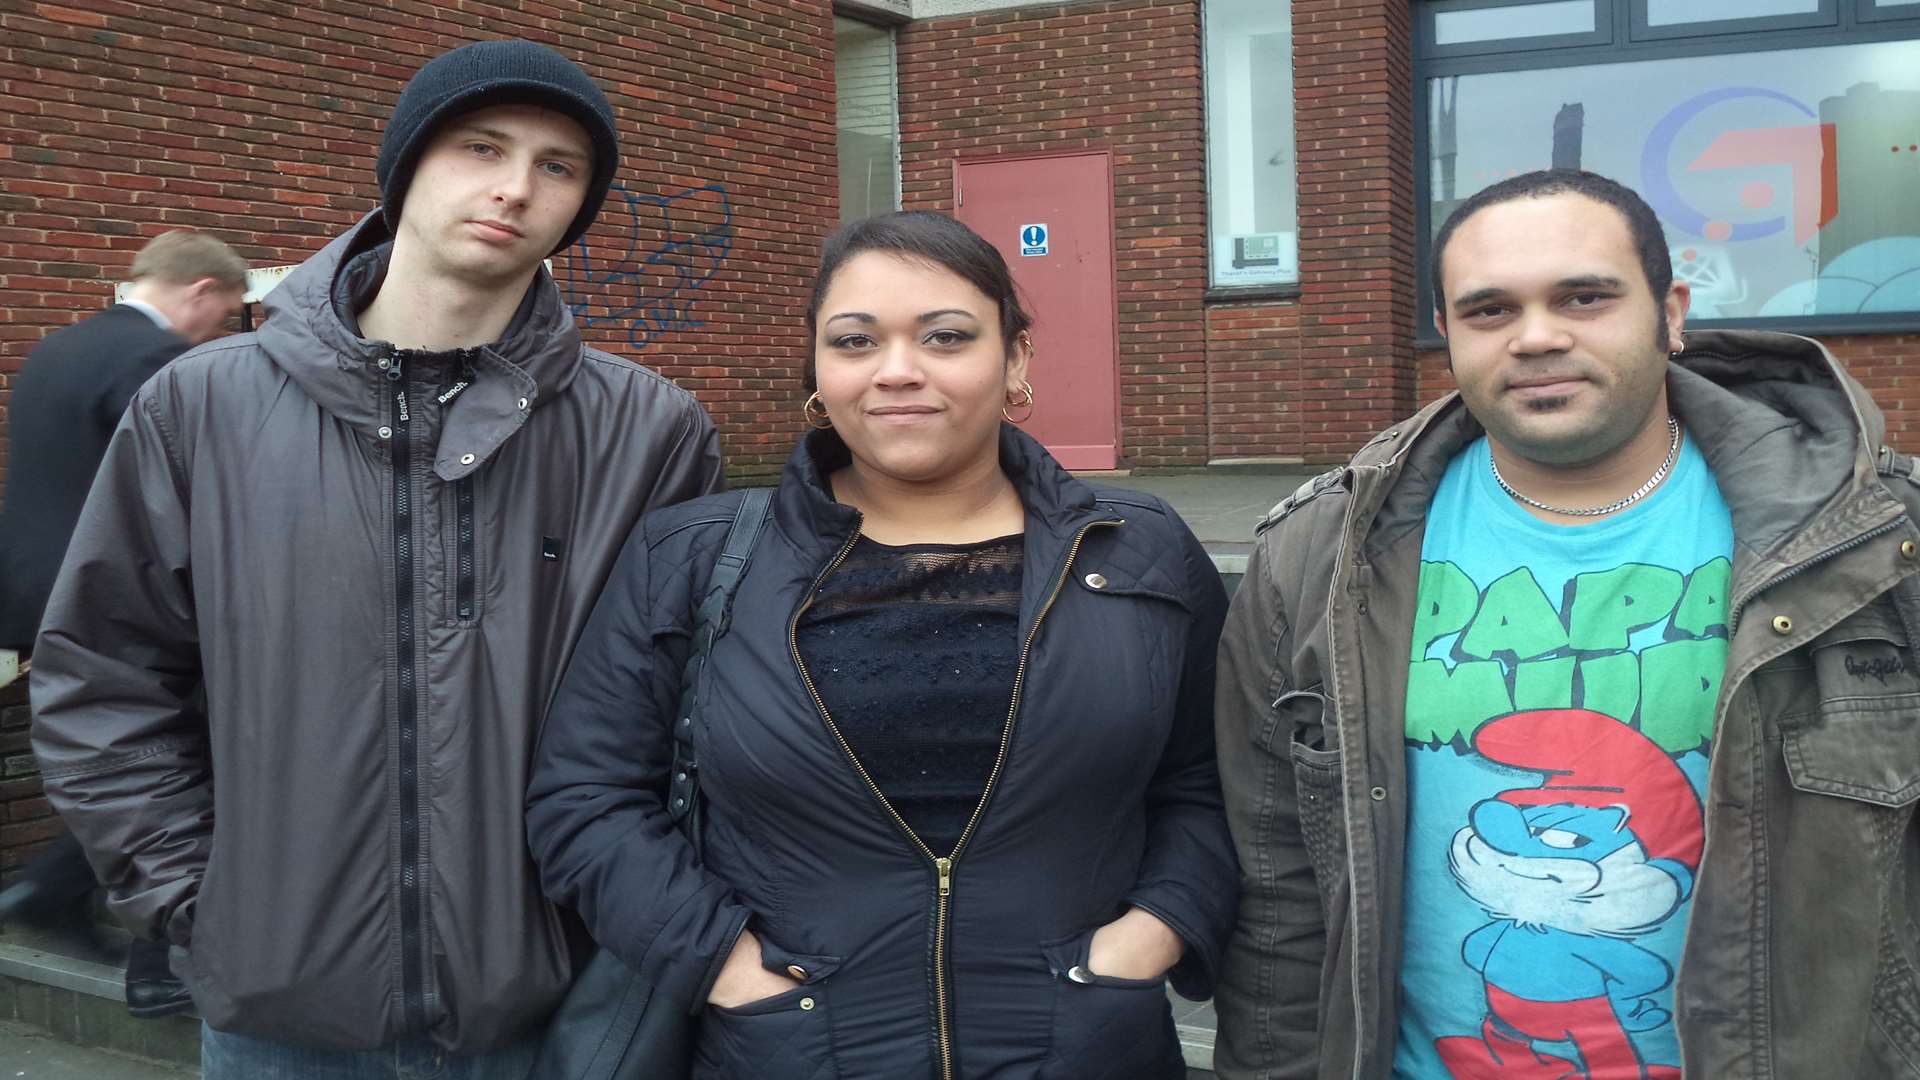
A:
x: 695, y: 227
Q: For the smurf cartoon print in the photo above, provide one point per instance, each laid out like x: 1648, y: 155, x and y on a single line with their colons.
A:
x: 1570, y: 868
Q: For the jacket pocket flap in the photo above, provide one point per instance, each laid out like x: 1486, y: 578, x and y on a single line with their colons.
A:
x: 1864, y: 748
x: 1876, y: 621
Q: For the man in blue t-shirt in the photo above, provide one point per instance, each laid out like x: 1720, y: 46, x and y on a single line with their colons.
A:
x: 1549, y: 724
x: 1559, y: 705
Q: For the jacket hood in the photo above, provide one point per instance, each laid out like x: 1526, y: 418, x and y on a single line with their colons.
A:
x: 1790, y: 436
x: 1049, y: 493
x: 312, y: 335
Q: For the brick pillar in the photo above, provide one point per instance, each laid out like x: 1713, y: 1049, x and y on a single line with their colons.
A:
x: 1353, y: 92
x: 26, y: 821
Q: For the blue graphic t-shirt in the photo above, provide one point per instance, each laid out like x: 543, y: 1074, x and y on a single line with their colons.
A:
x: 1559, y: 716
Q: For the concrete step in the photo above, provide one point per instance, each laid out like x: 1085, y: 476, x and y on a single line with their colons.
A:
x: 82, y: 1002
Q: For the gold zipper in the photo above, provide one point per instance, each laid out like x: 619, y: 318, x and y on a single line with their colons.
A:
x: 943, y: 867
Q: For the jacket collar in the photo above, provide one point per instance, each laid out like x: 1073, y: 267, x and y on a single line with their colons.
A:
x: 311, y: 335
x: 1790, y: 436
x: 1057, y: 504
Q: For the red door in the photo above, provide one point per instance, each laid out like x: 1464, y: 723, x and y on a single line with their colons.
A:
x: 1052, y: 219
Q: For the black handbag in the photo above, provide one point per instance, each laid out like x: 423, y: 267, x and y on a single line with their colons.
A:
x: 613, y: 1025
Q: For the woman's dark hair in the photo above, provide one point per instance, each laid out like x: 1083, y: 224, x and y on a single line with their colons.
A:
x: 921, y: 234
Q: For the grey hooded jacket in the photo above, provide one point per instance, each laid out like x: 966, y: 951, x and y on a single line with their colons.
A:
x: 1801, y: 955
x: 292, y: 672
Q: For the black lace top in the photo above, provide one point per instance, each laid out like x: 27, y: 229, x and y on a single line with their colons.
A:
x: 913, y: 649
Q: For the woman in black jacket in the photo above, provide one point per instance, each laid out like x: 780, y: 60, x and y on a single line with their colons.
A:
x: 962, y: 812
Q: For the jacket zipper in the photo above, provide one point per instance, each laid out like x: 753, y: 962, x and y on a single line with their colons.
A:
x: 942, y: 866
x: 463, y: 506
x: 463, y: 592
x: 413, y: 997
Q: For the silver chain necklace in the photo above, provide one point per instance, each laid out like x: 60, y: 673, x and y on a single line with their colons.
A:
x: 1673, y: 453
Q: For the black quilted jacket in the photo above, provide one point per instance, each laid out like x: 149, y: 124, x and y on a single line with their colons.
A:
x: 917, y: 963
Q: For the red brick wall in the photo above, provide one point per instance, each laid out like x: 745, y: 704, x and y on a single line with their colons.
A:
x: 1884, y: 363
x: 26, y: 821
x: 1889, y: 366
x: 1122, y: 76
x: 1259, y: 402
x: 1353, y: 85
x: 258, y: 121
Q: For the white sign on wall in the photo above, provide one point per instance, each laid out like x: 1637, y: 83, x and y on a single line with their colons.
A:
x: 260, y: 282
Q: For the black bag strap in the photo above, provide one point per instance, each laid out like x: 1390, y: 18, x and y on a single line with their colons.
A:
x: 716, y: 608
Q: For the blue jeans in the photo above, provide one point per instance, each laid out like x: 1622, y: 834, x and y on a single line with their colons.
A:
x: 226, y: 1056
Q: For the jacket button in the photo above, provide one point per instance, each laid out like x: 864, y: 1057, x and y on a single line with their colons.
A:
x: 1096, y: 581
x: 806, y: 1004
x: 799, y: 973
x: 1379, y: 794
x: 523, y: 403
x: 1908, y: 549
x: 466, y: 459
x: 1782, y: 624
x: 386, y: 433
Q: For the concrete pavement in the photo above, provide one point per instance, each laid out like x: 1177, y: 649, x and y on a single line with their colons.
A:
x: 1221, y: 506
x: 32, y: 1053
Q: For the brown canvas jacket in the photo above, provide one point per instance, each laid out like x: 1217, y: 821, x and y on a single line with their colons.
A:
x: 375, y: 563
x: 1801, y: 955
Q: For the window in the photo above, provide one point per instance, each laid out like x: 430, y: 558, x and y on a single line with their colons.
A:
x: 1251, y: 179
x: 1785, y: 173
x: 869, y: 119
x: 1461, y: 25
x: 1670, y: 12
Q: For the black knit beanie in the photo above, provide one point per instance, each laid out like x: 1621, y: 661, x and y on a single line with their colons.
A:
x: 495, y: 73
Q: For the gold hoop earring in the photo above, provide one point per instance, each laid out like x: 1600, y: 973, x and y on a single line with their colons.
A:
x: 1014, y: 403
x: 815, y: 413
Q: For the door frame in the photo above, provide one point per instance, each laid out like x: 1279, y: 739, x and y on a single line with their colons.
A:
x: 1105, y: 152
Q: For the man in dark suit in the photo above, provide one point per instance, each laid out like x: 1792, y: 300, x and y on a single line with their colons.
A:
x: 67, y: 400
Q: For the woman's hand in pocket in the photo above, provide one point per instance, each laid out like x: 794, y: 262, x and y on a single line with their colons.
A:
x: 1137, y: 945
x: 743, y: 980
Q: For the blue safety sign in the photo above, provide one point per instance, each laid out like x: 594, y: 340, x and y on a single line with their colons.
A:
x: 1033, y: 239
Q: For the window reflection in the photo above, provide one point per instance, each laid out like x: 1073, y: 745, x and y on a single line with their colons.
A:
x: 1674, y: 12
x: 1501, y: 23
x: 1788, y: 182
x: 1250, y: 163
x: 868, y: 119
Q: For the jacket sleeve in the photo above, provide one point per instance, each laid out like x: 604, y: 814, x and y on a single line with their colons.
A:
x: 1268, y: 998
x: 1187, y: 879
x: 121, y: 741
x: 597, y: 819
x: 693, y: 467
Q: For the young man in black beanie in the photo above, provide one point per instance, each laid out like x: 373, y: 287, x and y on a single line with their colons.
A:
x: 372, y: 532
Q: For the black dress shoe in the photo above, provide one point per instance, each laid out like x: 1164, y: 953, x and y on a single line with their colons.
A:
x: 153, y: 990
